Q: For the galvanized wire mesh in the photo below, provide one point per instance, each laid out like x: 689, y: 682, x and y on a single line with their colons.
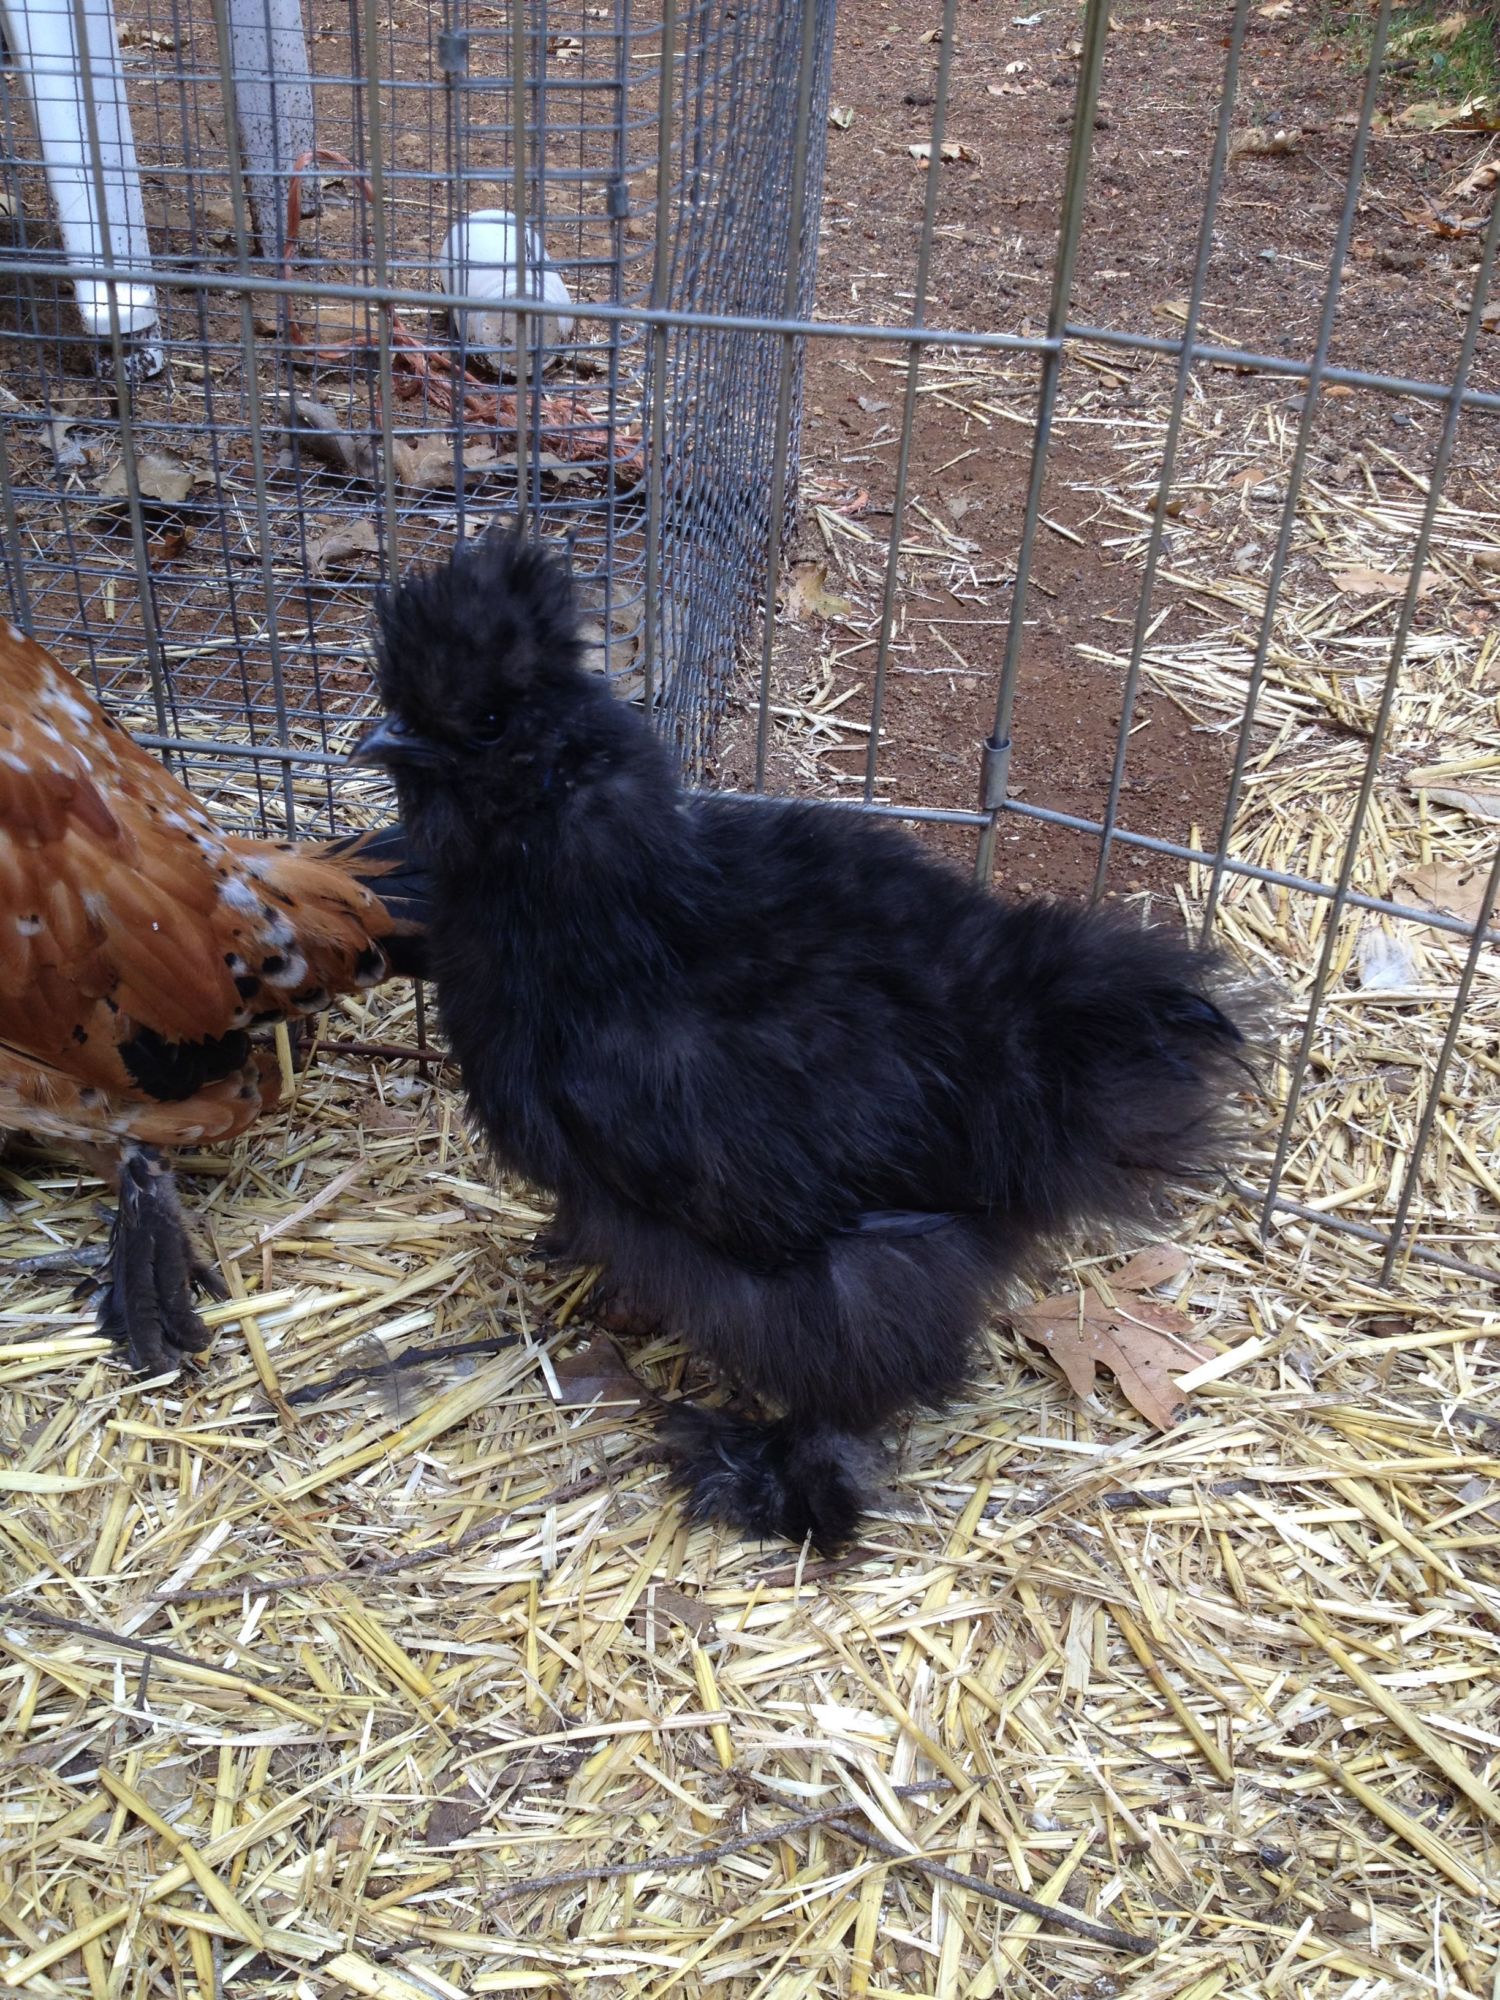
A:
x: 669, y: 161
x: 654, y: 153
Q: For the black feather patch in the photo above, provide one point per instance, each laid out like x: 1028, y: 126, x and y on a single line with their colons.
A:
x: 172, y: 1071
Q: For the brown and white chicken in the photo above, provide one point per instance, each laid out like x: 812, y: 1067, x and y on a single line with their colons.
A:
x: 140, y: 947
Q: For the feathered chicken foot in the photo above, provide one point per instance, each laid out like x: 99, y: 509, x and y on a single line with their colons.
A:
x: 147, y: 1303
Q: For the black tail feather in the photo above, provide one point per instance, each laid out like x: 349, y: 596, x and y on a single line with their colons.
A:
x: 404, y: 887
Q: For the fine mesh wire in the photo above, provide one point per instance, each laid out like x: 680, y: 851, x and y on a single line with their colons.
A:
x: 189, y: 624
x: 670, y: 166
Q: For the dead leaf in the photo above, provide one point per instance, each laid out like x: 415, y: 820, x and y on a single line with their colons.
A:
x: 67, y: 453
x: 1471, y: 799
x: 841, y: 116
x: 1428, y: 34
x: 871, y: 404
x: 810, y: 595
x: 560, y: 472
x: 168, y: 546
x: 598, y: 1374
x: 1262, y: 142
x: 951, y: 153
x: 376, y: 1117
x: 614, y: 653
x: 1139, y: 1340
x: 1157, y: 1264
x: 1451, y: 228
x: 1277, y: 10
x: 450, y: 1820
x: 689, y: 1611
x: 1475, y: 114
x: 429, y: 466
x: 1483, y: 178
x: 135, y: 37
x: 1359, y: 580
x: 156, y: 476
x: 1453, y: 886
x: 341, y: 547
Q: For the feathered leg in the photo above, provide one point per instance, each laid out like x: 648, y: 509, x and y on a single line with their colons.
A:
x: 147, y: 1305
x: 878, y: 1324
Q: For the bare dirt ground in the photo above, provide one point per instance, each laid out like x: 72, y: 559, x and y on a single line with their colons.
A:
x: 1404, y: 292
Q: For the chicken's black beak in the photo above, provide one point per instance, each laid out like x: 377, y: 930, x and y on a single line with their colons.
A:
x: 391, y: 743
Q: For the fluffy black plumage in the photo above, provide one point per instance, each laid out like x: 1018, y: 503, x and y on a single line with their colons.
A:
x: 807, y: 1094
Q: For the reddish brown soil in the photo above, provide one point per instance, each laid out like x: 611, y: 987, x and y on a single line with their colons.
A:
x: 1405, y: 289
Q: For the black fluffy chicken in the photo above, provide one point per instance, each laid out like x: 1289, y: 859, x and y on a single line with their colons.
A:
x: 805, y: 1093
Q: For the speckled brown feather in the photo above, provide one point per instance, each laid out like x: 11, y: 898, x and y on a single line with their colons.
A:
x: 124, y: 909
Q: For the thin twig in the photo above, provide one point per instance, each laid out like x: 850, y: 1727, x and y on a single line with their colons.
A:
x: 1051, y: 1913
x: 122, y: 1641
x: 833, y: 1818
x: 389, y: 1052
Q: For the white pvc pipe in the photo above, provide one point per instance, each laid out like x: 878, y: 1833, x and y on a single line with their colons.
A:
x: 43, y: 39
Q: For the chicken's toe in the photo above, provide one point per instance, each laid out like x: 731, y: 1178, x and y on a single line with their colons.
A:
x: 147, y: 1305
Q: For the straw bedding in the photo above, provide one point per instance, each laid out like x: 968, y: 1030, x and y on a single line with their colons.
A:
x: 321, y: 1674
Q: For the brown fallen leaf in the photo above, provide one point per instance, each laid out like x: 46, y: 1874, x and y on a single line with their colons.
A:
x: 341, y: 547
x: 1138, y: 1339
x: 1262, y: 142
x: 1456, y: 887
x: 598, y: 1374
x: 167, y: 546
x: 810, y: 595
x: 1484, y: 177
x: 157, y: 477
x: 429, y: 467
x: 692, y: 1612
x: 1474, y: 800
x: 451, y: 1820
x: 1359, y: 580
x: 1475, y: 114
x: 615, y: 652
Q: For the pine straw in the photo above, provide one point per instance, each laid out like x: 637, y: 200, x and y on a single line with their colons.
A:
x: 422, y: 1687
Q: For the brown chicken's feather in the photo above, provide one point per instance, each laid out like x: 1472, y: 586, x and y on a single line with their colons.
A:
x: 133, y: 932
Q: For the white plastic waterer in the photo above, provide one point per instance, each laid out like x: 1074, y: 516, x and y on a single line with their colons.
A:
x: 44, y: 41
x: 479, y: 258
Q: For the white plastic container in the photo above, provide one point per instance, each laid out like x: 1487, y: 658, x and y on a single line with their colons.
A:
x: 479, y: 257
x: 44, y: 40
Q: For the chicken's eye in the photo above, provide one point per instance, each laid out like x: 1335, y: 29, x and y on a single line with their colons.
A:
x: 488, y: 728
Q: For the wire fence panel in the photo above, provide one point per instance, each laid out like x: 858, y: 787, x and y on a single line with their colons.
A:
x: 275, y: 454
x: 330, y: 347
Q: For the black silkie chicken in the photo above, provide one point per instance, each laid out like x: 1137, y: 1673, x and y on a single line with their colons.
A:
x: 805, y: 1093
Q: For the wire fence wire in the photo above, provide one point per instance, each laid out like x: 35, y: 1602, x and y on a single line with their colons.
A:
x: 307, y: 389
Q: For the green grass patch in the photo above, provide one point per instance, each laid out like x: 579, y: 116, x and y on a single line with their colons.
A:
x: 1444, y: 52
